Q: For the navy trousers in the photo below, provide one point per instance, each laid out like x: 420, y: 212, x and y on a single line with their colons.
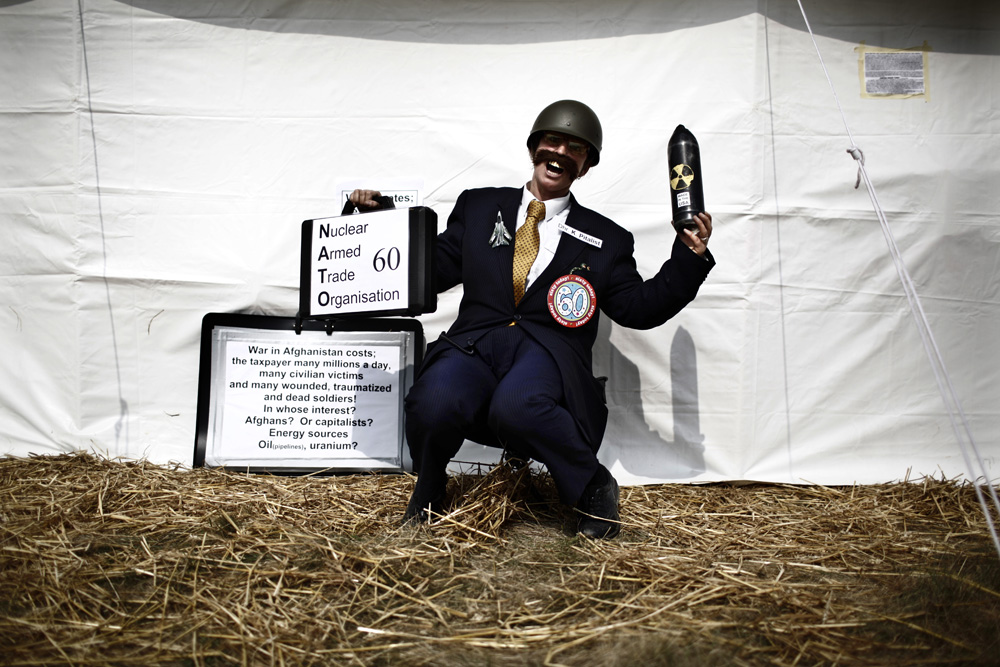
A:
x: 508, y: 392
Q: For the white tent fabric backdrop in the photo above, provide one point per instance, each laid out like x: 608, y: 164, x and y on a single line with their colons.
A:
x: 157, y: 159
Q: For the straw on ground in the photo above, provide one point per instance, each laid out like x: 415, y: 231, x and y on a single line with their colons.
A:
x: 110, y: 562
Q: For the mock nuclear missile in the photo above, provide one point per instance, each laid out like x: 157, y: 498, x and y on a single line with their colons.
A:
x: 687, y: 198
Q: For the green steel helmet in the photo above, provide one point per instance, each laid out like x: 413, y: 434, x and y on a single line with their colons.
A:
x: 573, y: 118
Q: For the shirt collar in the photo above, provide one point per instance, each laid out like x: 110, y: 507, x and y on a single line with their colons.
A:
x: 553, y: 207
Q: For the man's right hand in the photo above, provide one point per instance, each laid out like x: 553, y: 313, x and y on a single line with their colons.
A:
x: 365, y: 198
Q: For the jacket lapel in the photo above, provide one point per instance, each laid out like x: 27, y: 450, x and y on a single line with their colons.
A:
x: 507, y: 206
x: 508, y: 210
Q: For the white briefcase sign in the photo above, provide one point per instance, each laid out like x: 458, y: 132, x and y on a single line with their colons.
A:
x: 369, y: 264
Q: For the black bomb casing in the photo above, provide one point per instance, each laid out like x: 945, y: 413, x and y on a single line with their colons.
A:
x: 687, y: 198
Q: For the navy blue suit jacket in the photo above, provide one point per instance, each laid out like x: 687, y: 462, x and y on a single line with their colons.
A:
x: 464, y: 255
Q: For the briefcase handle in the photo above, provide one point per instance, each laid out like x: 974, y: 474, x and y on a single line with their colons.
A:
x: 383, y: 203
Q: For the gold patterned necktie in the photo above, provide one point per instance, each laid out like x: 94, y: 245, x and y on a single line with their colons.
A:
x: 526, y: 247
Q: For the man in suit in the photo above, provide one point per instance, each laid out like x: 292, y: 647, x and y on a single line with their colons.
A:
x: 515, y: 368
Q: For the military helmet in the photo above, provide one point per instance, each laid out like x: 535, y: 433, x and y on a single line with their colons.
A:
x: 573, y: 118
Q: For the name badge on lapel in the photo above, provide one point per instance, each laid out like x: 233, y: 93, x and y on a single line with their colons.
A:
x: 577, y: 234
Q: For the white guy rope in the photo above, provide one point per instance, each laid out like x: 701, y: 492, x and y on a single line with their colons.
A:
x: 945, y: 386
x: 123, y: 416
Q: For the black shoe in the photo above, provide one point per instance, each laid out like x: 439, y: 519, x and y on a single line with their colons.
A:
x: 599, y: 506
x: 423, y: 502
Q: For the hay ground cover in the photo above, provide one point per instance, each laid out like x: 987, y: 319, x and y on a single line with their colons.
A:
x: 113, y: 562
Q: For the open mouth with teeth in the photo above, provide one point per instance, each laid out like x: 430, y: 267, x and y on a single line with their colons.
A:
x: 556, y: 165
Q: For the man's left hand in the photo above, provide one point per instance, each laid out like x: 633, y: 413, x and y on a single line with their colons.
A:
x: 697, y: 239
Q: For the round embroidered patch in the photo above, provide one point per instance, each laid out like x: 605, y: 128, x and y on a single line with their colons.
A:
x: 572, y: 301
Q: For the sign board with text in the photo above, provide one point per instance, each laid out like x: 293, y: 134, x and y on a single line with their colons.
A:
x: 271, y: 399
x: 369, y: 264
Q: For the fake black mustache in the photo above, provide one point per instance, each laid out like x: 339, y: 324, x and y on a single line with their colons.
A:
x: 567, y: 163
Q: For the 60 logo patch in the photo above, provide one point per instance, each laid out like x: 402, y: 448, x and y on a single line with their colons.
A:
x: 572, y: 301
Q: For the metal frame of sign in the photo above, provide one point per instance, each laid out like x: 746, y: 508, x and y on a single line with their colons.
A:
x: 422, y: 235
x: 208, y: 395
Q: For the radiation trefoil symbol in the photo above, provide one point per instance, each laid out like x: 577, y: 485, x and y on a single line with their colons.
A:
x: 681, y: 176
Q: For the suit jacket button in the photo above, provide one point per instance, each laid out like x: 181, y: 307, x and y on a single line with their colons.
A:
x: 469, y: 342
x: 517, y: 317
